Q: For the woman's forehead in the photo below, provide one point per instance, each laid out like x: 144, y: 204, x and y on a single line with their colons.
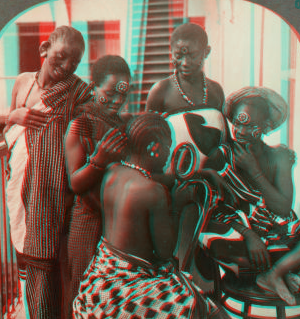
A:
x: 254, y: 113
x: 65, y: 44
x: 113, y: 79
x: 186, y: 43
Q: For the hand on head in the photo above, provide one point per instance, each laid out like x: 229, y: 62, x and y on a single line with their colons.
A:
x: 114, y: 141
x: 110, y: 147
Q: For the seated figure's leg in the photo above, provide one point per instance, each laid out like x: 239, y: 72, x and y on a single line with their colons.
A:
x: 273, y: 282
x: 225, y: 244
x: 273, y: 279
x: 293, y: 282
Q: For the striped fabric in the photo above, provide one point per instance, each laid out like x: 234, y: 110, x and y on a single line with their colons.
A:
x: 85, y: 223
x: 45, y: 181
x: 118, y: 285
x: 43, y: 292
x: 279, y: 234
x: 85, y: 233
x: 17, y: 147
x: 259, y: 218
x: 44, y: 196
x: 239, y: 308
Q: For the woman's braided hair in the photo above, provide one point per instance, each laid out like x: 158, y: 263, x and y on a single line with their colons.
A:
x: 146, y: 128
x: 68, y: 33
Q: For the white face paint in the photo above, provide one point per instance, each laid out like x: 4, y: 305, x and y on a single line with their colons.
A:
x: 112, y: 93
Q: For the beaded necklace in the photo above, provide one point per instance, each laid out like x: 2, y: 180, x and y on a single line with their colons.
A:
x: 37, y: 80
x: 28, y: 93
x: 185, y: 97
x: 146, y: 173
x: 38, y: 84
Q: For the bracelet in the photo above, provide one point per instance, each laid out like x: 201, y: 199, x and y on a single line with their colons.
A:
x: 93, y: 164
x: 257, y: 175
x: 244, y: 231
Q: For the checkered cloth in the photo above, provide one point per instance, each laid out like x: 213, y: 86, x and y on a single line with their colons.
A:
x: 118, y: 285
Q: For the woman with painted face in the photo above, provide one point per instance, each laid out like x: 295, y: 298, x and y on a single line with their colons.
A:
x: 188, y: 87
x: 94, y: 139
x: 242, y: 235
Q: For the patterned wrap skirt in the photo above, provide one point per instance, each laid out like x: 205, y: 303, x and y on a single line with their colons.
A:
x: 118, y: 285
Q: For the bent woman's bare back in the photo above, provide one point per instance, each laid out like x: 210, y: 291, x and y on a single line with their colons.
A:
x: 133, y: 208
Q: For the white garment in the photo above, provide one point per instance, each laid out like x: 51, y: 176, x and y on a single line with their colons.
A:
x: 16, y: 142
x: 182, y: 131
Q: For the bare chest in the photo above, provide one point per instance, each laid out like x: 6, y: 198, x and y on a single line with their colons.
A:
x: 28, y: 96
x: 180, y: 97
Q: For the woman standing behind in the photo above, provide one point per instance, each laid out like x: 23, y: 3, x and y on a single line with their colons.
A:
x: 93, y: 140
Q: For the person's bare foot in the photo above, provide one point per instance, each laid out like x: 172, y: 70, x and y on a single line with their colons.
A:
x: 270, y: 281
x: 293, y: 282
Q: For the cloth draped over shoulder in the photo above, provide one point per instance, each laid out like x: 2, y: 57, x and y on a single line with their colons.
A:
x: 91, y: 125
x: 119, y: 285
x: 17, y: 149
x: 45, y: 181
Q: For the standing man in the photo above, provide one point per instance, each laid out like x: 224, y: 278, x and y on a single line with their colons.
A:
x: 37, y: 192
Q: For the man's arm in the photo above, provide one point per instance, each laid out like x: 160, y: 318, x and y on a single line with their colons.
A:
x: 84, y: 174
x: 215, y: 94
x: 278, y: 196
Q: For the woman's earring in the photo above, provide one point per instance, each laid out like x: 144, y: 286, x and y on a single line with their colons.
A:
x: 103, y: 99
x: 154, y: 154
x: 243, y: 117
x: 256, y: 133
x: 174, y: 62
x: 153, y: 149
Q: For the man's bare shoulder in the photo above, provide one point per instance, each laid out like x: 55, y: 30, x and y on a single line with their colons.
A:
x: 23, y: 78
x: 149, y: 190
x: 156, y: 96
x: 281, y: 155
x: 161, y: 85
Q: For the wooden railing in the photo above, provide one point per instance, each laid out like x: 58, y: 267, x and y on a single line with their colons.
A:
x: 8, y: 267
